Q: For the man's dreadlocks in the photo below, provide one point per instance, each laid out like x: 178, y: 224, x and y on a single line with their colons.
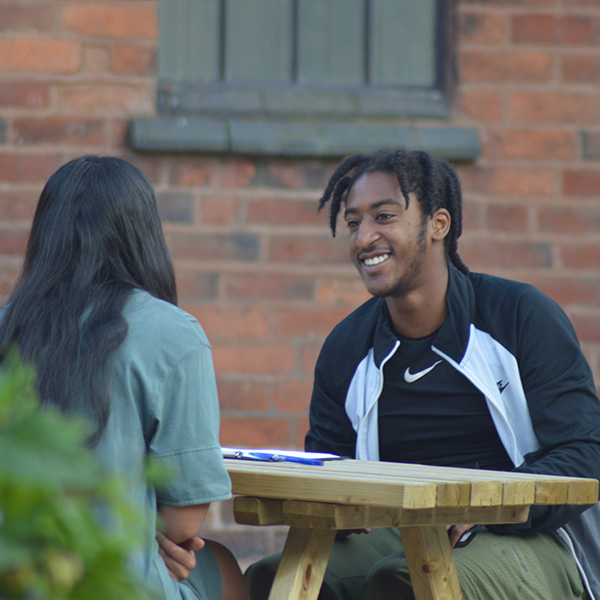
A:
x: 433, y: 181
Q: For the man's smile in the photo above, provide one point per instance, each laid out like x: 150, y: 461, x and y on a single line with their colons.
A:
x: 373, y: 261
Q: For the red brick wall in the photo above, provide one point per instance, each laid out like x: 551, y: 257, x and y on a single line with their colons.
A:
x: 254, y: 262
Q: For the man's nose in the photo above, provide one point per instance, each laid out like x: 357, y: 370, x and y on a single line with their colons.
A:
x: 367, y: 234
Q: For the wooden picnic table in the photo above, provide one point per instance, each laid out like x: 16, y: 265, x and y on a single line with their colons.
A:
x: 316, y: 501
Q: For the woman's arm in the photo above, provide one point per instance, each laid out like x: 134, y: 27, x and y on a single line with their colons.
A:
x: 182, y: 523
x: 178, y: 542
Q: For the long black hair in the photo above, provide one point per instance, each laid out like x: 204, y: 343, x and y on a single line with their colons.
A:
x: 96, y: 235
x: 433, y: 181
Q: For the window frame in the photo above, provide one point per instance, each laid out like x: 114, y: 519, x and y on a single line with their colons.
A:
x: 308, y: 120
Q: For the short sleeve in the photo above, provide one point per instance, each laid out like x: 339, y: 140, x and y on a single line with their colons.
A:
x: 186, y: 437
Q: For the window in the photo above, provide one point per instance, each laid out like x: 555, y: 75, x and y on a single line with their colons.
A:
x: 303, y: 77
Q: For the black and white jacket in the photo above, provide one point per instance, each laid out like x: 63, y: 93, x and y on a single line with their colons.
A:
x: 519, y: 349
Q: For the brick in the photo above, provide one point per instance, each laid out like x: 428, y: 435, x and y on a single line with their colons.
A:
x: 130, y: 59
x: 581, y: 256
x: 568, y: 290
x: 472, y: 214
x: 483, y: 254
x: 571, y: 220
x: 507, y: 3
x: 253, y: 359
x: 219, y: 209
x: 583, y: 68
x: 119, y: 133
x: 248, y: 396
x: 508, y: 181
x: 284, y: 212
x: 341, y: 292
x: 232, y: 322
x: 293, y: 396
x: 308, y: 359
x: 580, y: 29
x: 478, y: 66
x: 13, y: 242
x: 227, y: 173
x: 19, y: 16
x: 9, y: 274
x: 24, y: 94
x: 27, y: 167
x: 59, y: 130
x: 535, y: 29
x: 302, y: 426
x: 581, y: 182
x: 307, y: 323
x: 105, y: 97
x: 538, y: 144
x: 194, y: 286
x: 262, y: 287
x: 96, y: 59
x: 509, y: 218
x: 124, y: 20
x: 233, y: 246
x: 307, y: 249
x: 313, y: 174
x: 590, y: 142
x: 554, y: 107
x: 481, y: 105
x: 175, y: 207
x: 255, y: 433
x: 18, y: 205
x: 587, y: 327
x: 482, y: 28
x: 40, y: 55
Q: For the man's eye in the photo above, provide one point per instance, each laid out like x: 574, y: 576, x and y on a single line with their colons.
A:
x: 384, y: 216
x: 352, y: 224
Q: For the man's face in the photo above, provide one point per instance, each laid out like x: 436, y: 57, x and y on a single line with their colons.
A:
x: 389, y: 242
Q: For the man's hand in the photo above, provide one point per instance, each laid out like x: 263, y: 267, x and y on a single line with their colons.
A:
x: 455, y: 532
x: 179, y: 558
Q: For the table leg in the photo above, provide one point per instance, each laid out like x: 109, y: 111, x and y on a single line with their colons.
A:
x: 430, y: 563
x: 302, y: 564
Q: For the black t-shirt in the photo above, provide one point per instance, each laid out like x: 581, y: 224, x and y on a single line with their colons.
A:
x: 431, y: 414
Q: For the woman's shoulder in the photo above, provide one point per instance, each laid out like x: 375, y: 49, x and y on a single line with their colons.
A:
x: 152, y: 321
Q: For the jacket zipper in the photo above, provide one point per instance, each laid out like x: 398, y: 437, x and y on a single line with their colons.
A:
x: 376, y: 398
x: 487, y: 396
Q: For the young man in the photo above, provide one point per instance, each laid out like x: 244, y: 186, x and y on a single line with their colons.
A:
x: 453, y: 368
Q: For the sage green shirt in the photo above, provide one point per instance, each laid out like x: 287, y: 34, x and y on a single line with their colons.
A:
x: 164, y: 405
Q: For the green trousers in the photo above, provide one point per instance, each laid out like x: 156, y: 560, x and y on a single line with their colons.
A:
x: 492, y: 567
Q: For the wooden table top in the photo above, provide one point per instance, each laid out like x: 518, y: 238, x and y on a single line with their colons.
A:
x: 404, y: 486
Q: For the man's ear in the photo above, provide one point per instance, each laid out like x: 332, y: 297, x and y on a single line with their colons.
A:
x: 440, y: 224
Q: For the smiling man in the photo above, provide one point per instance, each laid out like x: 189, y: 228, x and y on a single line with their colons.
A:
x: 447, y: 367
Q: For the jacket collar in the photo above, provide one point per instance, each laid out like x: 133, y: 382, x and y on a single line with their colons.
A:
x: 453, y: 335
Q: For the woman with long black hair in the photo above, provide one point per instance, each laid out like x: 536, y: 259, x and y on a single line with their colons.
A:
x: 95, y: 312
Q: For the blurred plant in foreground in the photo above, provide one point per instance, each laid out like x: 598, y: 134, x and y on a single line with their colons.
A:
x: 53, y: 543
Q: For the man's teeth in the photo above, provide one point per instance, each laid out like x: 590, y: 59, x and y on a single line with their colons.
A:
x: 371, y: 262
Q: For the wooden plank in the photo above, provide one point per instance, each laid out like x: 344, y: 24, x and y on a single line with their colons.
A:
x: 429, y: 557
x: 264, y: 511
x: 303, y: 563
x: 405, y: 485
x: 286, y: 481
x: 578, y: 492
x: 551, y: 492
x: 258, y: 511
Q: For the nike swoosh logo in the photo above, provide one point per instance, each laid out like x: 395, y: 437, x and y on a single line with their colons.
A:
x: 412, y: 377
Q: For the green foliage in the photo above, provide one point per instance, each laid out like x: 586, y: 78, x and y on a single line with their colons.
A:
x: 54, y: 544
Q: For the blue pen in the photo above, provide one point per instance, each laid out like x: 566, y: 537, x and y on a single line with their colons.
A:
x: 282, y: 458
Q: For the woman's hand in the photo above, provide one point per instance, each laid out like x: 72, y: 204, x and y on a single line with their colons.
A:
x: 179, y: 558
